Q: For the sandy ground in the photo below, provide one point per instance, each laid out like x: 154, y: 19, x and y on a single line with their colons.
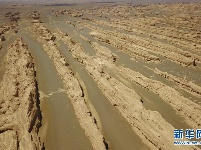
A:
x: 20, y: 111
x: 99, y: 76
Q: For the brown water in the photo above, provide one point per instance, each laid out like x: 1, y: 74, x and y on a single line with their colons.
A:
x: 116, y: 129
x: 60, y: 125
x: 152, y: 101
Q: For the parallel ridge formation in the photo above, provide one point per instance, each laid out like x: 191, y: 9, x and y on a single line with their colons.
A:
x: 155, y: 47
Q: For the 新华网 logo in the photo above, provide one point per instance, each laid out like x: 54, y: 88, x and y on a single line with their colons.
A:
x: 188, y: 134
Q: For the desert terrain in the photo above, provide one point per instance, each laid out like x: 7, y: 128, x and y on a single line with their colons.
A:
x: 102, y: 76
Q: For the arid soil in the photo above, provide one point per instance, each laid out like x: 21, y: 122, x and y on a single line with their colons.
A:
x: 99, y: 76
x: 20, y: 110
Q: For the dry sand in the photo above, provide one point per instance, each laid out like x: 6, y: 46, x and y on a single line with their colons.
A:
x: 20, y: 111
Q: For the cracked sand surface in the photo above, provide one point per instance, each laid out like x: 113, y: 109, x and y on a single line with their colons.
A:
x: 19, y: 97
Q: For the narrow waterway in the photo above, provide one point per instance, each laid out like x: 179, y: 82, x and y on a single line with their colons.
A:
x: 151, y: 100
x: 116, y: 129
x: 60, y: 126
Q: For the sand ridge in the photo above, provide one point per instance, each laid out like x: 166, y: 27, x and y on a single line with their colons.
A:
x: 20, y: 111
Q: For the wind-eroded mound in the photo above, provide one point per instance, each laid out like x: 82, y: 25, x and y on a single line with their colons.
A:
x: 19, y: 104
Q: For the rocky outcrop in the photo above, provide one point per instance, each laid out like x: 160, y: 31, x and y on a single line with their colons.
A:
x: 20, y: 116
x: 77, y: 14
x: 4, y: 28
x: 123, y: 45
x: 103, y: 54
x: 14, y: 17
x: 35, y: 16
x: 8, y: 14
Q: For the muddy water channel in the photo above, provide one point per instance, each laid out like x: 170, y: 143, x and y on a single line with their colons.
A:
x: 60, y: 128
x: 114, y: 127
